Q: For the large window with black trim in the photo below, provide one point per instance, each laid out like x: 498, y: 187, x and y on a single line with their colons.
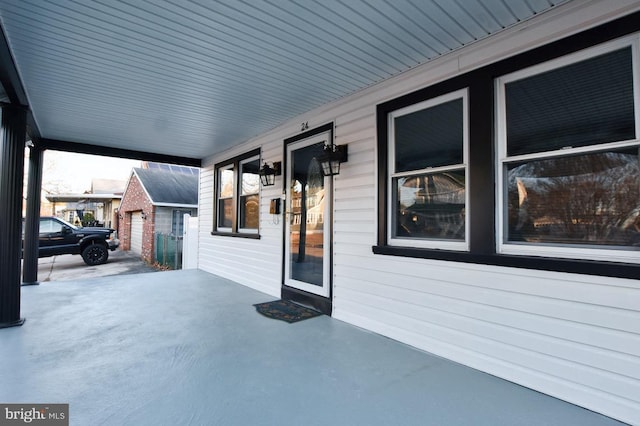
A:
x: 568, y: 156
x: 237, y: 196
x: 532, y: 161
x: 428, y: 176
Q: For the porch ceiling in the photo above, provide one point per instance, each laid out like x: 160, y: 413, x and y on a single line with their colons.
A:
x: 193, y: 78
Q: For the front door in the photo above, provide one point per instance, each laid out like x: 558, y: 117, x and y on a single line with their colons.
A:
x: 308, y: 218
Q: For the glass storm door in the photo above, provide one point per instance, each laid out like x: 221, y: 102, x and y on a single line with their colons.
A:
x: 308, y: 224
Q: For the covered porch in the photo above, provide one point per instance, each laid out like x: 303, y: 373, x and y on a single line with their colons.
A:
x: 187, y: 347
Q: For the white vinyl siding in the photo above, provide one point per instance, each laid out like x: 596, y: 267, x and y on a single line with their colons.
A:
x: 573, y: 336
x: 136, y: 232
x: 243, y: 260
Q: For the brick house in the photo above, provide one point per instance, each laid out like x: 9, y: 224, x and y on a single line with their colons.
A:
x: 155, y: 201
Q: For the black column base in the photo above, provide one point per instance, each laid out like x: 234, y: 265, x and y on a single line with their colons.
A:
x: 15, y: 323
x: 30, y: 283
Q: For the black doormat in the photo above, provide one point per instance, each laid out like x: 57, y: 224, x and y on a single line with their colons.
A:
x: 286, y: 310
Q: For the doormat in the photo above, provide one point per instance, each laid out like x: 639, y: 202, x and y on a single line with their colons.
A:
x: 286, y: 310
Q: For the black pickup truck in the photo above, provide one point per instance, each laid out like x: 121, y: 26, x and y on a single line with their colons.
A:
x: 60, y: 237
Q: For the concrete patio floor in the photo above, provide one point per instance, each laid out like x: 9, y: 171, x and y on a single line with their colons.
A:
x: 188, y: 348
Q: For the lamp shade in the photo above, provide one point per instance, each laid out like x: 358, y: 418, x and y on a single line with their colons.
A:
x: 267, y: 175
x: 331, y: 158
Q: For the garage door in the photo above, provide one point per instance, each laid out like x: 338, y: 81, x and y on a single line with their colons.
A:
x: 136, y: 232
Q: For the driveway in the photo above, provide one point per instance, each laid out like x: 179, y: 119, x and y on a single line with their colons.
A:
x: 68, y: 267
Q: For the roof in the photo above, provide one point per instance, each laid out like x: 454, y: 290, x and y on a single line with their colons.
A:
x: 61, y: 198
x: 192, y: 79
x: 166, y: 187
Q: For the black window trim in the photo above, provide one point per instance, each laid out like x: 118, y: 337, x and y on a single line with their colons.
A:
x: 235, y: 165
x: 482, y: 197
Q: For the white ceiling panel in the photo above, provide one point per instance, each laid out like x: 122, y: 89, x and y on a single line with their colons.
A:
x: 193, y: 78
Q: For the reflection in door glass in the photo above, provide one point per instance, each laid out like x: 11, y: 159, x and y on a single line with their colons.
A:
x: 307, y: 222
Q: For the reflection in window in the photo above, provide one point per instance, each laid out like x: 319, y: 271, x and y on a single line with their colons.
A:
x: 226, y: 183
x: 569, y: 156
x: 225, y: 198
x: 431, y: 206
x: 306, y: 233
x: 249, y: 198
x: 590, y: 199
x: 238, y: 194
x: 48, y: 226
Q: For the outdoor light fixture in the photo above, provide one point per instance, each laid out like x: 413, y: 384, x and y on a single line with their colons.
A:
x: 268, y: 174
x: 331, y: 158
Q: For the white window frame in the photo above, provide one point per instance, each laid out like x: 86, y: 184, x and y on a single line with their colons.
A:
x: 218, y: 195
x: 431, y: 243
x: 239, y: 195
x: 568, y: 251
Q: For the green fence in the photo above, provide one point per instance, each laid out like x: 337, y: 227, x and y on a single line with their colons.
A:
x: 168, y: 250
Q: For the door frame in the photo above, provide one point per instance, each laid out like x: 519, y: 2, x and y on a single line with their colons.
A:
x: 323, y: 304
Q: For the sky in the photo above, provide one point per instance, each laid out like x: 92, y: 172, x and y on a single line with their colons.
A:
x: 65, y: 172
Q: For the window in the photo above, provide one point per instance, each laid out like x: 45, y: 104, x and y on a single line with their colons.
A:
x: 48, y: 226
x: 225, y: 198
x: 177, y: 221
x: 569, y: 162
x: 237, y: 195
x: 428, y: 173
x: 249, y: 195
x: 529, y: 162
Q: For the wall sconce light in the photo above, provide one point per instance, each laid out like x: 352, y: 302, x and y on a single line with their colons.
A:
x: 268, y: 174
x: 331, y: 158
x: 143, y: 215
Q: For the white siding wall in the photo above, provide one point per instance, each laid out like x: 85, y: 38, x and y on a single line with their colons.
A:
x: 573, y: 336
x: 255, y: 263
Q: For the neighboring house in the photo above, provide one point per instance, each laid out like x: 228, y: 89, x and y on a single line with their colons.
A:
x: 102, y: 201
x: 154, y: 202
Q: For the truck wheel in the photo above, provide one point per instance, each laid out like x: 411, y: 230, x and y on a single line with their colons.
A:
x: 95, y: 254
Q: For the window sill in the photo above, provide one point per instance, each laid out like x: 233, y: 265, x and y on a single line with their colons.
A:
x: 236, y: 234
x: 576, y: 266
